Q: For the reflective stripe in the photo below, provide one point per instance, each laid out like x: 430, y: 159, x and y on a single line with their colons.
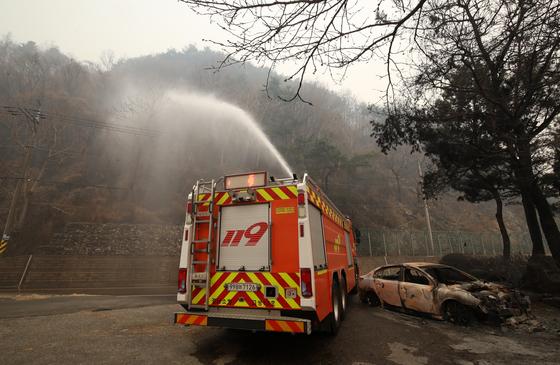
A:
x: 284, y: 326
x: 315, y: 198
x: 265, y: 195
x: 292, y: 189
x: 220, y: 296
x: 199, y: 296
x: 280, y: 193
x: 262, y: 195
x: 221, y: 198
x: 191, y: 319
x: 3, y: 246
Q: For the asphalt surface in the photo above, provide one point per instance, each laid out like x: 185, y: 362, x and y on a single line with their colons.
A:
x: 139, y: 330
x: 33, y: 305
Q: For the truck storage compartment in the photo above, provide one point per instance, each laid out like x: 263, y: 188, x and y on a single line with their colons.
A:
x: 244, y: 238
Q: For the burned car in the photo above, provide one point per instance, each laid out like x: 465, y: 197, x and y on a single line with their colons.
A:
x: 440, y: 291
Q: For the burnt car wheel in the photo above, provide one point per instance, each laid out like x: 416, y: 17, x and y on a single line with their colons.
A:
x: 363, y: 296
x: 373, y: 299
x: 369, y: 297
x: 458, y: 313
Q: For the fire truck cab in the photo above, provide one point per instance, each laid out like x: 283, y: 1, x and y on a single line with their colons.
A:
x: 265, y: 254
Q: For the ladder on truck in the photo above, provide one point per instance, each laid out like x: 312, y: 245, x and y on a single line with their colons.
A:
x: 200, y: 279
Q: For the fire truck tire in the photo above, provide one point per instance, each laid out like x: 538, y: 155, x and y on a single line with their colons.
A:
x: 343, y: 298
x: 334, y: 319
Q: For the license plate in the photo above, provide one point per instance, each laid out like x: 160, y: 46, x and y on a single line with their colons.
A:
x: 242, y: 287
x: 199, y: 276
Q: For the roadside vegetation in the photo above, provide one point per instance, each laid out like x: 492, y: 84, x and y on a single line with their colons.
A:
x: 472, y: 84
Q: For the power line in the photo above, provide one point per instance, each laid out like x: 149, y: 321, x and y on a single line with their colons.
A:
x: 58, y: 182
x: 45, y: 149
x: 35, y: 115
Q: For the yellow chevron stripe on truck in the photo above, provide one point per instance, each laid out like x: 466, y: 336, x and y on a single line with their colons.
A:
x: 287, y: 289
x: 315, y: 197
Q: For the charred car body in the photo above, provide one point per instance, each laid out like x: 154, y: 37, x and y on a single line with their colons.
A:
x: 440, y: 291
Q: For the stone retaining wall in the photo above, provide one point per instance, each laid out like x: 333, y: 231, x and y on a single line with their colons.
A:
x: 81, y: 274
x: 110, y: 239
x: 11, y: 269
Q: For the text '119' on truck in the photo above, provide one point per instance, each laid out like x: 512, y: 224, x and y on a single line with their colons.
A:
x: 265, y: 255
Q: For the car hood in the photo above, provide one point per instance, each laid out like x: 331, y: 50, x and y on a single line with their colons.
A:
x: 481, y: 288
x: 493, y: 296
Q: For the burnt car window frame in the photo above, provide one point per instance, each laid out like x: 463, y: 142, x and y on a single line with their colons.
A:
x: 377, y: 274
x: 431, y: 281
x: 438, y: 280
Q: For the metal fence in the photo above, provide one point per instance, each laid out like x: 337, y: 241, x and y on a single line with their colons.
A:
x: 417, y: 243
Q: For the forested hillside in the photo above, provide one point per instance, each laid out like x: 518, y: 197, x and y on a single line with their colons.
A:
x: 123, y: 141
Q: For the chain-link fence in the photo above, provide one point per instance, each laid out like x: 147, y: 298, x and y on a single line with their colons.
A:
x: 417, y: 243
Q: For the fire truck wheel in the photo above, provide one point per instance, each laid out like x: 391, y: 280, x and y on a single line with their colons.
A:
x: 343, y: 298
x: 334, y: 319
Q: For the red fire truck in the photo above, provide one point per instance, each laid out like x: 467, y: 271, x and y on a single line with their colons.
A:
x: 265, y: 254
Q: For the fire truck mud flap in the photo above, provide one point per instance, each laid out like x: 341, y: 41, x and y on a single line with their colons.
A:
x: 254, y: 323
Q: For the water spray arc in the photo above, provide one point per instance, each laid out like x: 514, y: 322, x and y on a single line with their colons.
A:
x: 266, y: 142
x: 232, y: 114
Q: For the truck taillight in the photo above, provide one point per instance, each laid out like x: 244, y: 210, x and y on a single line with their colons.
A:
x: 306, y: 288
x: 301, y: 204
x: 182, y: 282
x: 301, y: 198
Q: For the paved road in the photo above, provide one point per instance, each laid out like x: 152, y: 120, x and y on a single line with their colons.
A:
x: 146, y: 335
x: 33, y: 305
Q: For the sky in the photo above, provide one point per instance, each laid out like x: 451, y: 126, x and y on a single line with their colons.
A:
x: 87, y: 29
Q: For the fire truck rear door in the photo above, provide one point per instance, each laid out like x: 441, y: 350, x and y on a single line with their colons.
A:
x: 244, y: 238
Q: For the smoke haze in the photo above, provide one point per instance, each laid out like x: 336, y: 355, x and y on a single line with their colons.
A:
x: 195, y: 132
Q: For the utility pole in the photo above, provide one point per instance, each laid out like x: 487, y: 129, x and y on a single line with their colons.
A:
x: 32, y: 118
x: 12, y: 211
x: 427, y: 212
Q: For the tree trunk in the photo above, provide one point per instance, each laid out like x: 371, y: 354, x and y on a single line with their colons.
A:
x: 548, y: 224
x: 503, y: 229
x: 398, y: 181
x: 398, y: 188
x: 524, y: 176
x: 533, y: 225
x: 530, y: 185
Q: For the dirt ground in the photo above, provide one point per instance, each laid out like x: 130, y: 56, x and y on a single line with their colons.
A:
x: 139, y: 330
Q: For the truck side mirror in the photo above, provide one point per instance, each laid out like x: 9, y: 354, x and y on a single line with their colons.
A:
x: 357, y: 235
